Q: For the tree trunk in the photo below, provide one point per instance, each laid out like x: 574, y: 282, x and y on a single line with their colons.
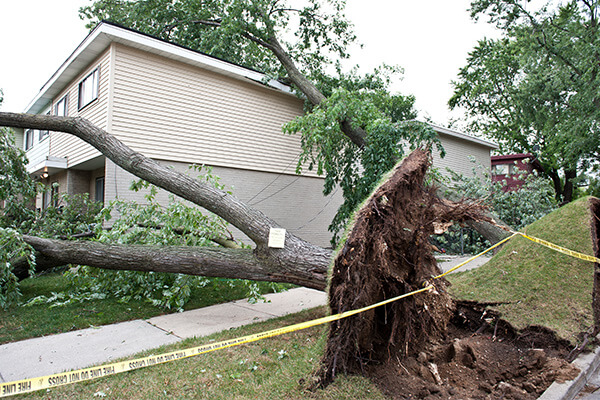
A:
x: 567, y: 194
x: 308, y: 268
x: 299, y: 262
x: 557, y: 183
x: 356, y: 134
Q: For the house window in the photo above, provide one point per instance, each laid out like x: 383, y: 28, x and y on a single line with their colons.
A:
x: 43, y: 135
x: 28, y: 139
x: 88, y: 89
x: 61, y: 107
x: 45, y: 200
x: 100, y: 189
x: 500, y: 169
x: 50, y: 197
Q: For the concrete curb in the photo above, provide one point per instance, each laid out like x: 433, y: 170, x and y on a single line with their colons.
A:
x: 588, y: 364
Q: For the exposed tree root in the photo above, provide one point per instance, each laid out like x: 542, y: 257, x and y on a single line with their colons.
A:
x: 387, y: 254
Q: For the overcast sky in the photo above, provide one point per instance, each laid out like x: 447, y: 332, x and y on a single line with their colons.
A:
x: 429, y: 39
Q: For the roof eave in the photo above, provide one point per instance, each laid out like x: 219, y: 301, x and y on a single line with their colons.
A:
x: 463, y: 136
x: 106, y: 33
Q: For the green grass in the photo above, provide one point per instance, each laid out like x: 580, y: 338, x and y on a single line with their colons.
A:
x: 20, y: 323
x: 274, y: 368
x: 540, y: 285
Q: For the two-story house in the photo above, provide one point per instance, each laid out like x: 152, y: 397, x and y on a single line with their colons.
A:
x: 179, y: 107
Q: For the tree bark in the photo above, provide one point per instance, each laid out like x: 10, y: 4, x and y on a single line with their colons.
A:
x: 300, y: 262
x: 356, y: 134
x: 202, y: 261
x: 567, y: 194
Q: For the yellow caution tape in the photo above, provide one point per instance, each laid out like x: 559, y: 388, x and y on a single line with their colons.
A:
x: 476, y: 256
x: 51, y: 381
x: 561, y: 249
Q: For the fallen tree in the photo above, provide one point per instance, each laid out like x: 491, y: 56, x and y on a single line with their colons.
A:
x: 254, y: 27
x: 300, y: 262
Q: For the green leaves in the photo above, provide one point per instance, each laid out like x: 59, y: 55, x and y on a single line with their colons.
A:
x: 517, y: 208
x: 12, y: 248
x: 16, y: 186
x: 356, y: 171
x: 237, y: 30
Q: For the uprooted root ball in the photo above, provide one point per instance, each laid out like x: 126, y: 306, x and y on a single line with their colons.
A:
x: 388, y: 254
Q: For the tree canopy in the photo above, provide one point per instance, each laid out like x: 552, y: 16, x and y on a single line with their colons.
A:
x: 535, y: 89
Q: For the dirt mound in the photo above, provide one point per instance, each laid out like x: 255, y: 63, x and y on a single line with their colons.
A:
x: 491, y: 362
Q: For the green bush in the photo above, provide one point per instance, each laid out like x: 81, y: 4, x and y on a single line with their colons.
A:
x: 516, y: 208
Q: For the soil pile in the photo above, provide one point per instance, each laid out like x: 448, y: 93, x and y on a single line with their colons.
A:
x: 481, y: 357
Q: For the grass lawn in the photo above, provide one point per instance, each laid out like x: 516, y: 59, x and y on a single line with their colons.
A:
x: 274, y: 368
x: 20, y: 323
x: 539, y: 286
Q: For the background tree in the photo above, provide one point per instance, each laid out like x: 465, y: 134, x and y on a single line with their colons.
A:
x: 535, y: 89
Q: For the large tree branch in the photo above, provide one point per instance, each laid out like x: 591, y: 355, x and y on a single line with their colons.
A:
x: 201, y: 261
x: 312, y: 93
x: 297, y: 255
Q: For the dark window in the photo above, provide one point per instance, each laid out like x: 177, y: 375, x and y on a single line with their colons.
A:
x: 28, y: 139
x: 54, y: 194
x: 46, y: 200
x: 61, y: 108
x: 50, y: 197
x: 100, y: 189
x: 88, y: 89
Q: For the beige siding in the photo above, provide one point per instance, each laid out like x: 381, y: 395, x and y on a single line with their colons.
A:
x: 172, y: 111
x: 458, y: 156
x: 65, y: 145
x: 295, y: 202
x: 19, y: 137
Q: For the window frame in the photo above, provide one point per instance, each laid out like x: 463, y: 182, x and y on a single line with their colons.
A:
x: 82, y: 88
x: 28, y: 140
x: 50, y: 196
x: 43, y: 134
x: 65, y: 100
x: 501, y: 170
x: 97, y: 181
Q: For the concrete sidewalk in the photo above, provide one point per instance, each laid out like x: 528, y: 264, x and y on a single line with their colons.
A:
x: 446, y: 262
x: 84, y: 348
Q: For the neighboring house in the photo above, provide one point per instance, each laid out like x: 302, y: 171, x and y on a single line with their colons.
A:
x: 512, y: 169
x: 179, y: 106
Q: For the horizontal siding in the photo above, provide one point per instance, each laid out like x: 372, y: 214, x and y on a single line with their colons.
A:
x: 294, y: 202
x: 65, y: 145
x: 458, y: 155
x: 172, y: 111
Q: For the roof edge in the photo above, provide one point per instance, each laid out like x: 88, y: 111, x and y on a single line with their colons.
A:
x: 463, y: 136
x: 112, y: 32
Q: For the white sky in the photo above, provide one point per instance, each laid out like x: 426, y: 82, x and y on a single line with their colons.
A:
x: 429, y: 39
